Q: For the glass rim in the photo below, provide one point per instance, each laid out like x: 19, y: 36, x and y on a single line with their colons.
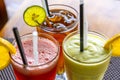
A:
x: 63, y: 5
x: 90, y: 63
x: 75, y: 24
x: 37, y: 65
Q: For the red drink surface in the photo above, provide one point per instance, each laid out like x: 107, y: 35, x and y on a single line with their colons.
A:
x: 46, y: 68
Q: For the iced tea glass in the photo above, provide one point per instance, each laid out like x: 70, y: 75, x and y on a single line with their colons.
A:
x: 63, y: 20
x: 48, y: 54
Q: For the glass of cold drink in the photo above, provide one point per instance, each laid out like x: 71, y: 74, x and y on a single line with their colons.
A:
x: 48, y: 54
x: 90, y: 64
x: 63, y: 20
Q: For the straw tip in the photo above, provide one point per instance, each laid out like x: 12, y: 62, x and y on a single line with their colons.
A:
x: 35, y: 33
x: 14, y: 28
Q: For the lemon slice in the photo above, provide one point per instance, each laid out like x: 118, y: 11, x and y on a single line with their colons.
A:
x: 8, y: 45
x: 5, y: 48
x: 4, y: 57
x: 114, y: 44
x: 34, y: 15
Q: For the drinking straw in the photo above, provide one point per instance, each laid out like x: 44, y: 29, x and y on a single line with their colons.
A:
x: 46, y: 7
x: 81, y: 26
x: 19, y: 43
x: 35, y: 46
x: 85, y: 31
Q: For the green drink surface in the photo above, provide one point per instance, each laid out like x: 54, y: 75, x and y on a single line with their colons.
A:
x: 90, y: 64
x: 93, y: 52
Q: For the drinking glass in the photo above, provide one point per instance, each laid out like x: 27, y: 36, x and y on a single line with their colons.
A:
x: 48, y: 54
x: 92, y: 63
x: 63, y: 20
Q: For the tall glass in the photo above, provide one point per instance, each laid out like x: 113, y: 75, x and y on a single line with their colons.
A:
x: 48, y: 54
x: 90, y: 64
x: 63, y: 20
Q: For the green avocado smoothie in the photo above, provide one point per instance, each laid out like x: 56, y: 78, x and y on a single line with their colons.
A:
x: 90, y: 64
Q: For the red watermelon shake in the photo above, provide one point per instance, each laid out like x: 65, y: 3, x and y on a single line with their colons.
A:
x: 48, y: 53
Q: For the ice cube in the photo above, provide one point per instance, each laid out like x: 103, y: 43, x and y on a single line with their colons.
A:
x: 55, y: 18
x: 59, y: 27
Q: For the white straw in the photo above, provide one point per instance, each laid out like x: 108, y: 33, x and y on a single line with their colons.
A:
x: 35, y: 46
x: 81, y: 1
x: 85, y: 31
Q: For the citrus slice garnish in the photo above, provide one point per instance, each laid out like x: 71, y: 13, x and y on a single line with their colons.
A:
x: 4, y: 57
x: 34, y: 15
x: 114, y: 44
x: 8, y: 45
x: 5, y: 48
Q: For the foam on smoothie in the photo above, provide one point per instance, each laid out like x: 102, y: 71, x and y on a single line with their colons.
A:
x: 47, y: 51
x: 92, y: 53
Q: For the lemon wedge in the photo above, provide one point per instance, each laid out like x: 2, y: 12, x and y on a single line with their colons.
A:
x: 5, y: 48
x: 4, y: 57
x: 114, y: 44
x: 8, y: 45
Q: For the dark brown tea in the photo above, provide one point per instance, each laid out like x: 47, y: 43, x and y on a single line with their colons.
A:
x: 59, y: 21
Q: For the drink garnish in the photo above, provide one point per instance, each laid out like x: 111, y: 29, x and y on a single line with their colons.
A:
x: 5, y: 48
x: 8, y: 45
x: 114, y: 44
x: 34, y: 15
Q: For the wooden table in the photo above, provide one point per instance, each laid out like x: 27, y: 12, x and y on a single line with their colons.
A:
x: 102, y: 15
